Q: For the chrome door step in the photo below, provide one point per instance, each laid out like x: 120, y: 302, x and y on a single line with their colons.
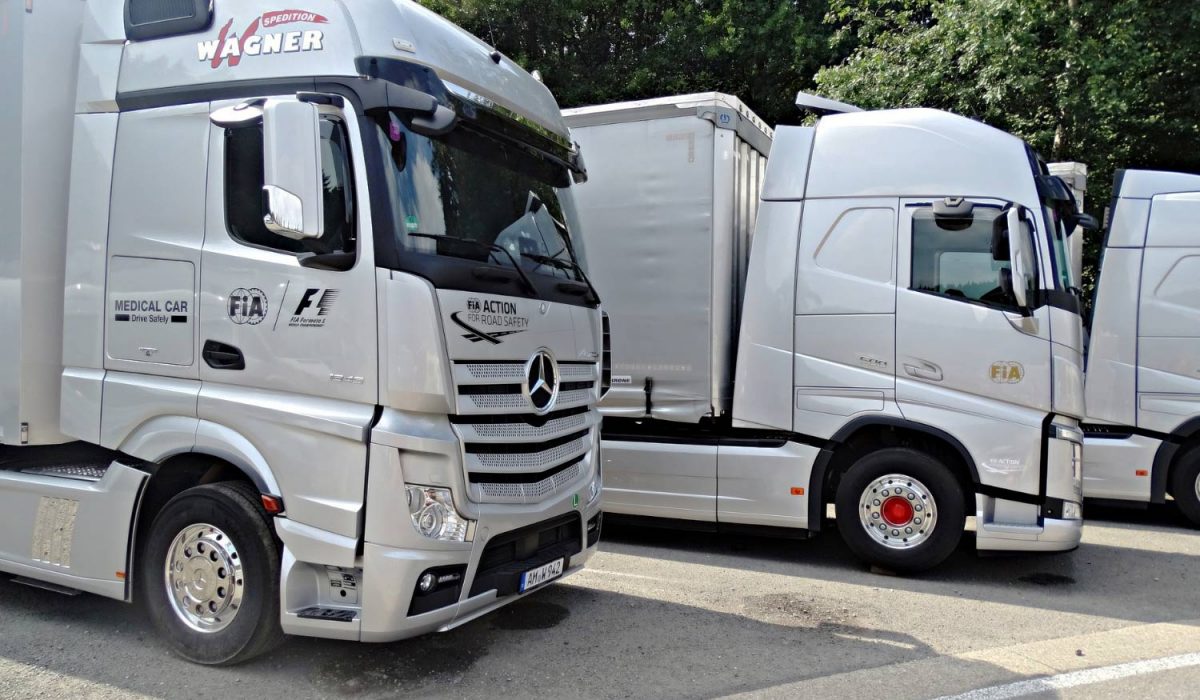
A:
x: 330, y: 614
x: 52, y: 587
x: 82, y: 472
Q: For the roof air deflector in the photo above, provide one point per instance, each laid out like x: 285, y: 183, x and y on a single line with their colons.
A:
x: 823, y: 105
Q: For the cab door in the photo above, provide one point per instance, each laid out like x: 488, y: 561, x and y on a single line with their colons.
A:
x: 288, y: 340
x: 969, y: 359
x: 294, y: 316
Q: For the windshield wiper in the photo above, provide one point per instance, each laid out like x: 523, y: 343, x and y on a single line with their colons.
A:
x: 565, y: 265
x: 488, y: 247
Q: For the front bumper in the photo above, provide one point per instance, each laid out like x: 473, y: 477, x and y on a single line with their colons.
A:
x: 386, y: 578
x: 1054, y: 535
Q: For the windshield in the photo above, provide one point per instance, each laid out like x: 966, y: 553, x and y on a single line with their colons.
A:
x: 1058, y: 243
x: 469, y: 195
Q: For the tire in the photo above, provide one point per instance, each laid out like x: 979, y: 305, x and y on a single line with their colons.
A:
x: 1185, y: 484
x: 902, y: 482
x: 225, y: 537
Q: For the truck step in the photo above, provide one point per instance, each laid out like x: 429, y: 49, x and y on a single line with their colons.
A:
x: 53, y: 588
x: 82, y: 472
x: 331, y: 614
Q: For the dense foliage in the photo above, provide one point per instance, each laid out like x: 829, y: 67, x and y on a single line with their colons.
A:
x: 1111, y: 83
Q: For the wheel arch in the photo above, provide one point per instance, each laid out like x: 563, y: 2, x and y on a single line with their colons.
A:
x: 1181, y: 439
x: 868, y: 433
x: 211, y: 453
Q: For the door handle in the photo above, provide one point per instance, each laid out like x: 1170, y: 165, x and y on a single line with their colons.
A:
x: 222, y: 356
x: 923, y: 369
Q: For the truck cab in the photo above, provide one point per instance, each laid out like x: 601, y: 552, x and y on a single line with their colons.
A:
x: 1143, y: 371
x: 905, y: 341
x: 316, y: 355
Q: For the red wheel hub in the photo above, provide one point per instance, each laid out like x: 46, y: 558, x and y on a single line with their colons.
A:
x: 897, y: 511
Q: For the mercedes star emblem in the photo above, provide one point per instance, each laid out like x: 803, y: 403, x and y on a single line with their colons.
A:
x: 541, y: 381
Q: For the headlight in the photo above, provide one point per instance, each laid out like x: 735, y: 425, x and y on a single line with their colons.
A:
x: 1072, y: 511
x: 434, y: 516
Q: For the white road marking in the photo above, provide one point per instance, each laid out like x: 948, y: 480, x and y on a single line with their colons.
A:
x: 602, y: 572
x: 23, y: 680
x: 1075, y: 679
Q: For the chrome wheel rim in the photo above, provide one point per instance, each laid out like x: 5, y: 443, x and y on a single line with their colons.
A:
x: 897, y: 511
x: 204, y: 578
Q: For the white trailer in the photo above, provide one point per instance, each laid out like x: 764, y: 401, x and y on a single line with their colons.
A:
x: 295, y: 337
x: 1143, y: 365
x: 901, y: 338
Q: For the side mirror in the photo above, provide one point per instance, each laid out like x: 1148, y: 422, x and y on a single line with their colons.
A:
x: 1085, y: 221
x: 1018, y: 249
x: 292, y: 187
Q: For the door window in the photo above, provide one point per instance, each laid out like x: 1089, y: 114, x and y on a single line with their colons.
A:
x: 953, y: 258
x: 244, y: 178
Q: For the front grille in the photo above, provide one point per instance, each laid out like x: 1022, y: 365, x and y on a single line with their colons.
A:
x: 515, y: 371
x: 526, y: 431
x: 510, y: 397
x: 528, y: 457
x: 512, y: 455
x: 511, y: 554
x: 513, y: 492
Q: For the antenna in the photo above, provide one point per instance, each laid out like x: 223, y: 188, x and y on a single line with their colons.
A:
x: 823, y: 105
x: 487, y: 17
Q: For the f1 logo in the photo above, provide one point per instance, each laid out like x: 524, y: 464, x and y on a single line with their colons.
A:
x: 323, y: 305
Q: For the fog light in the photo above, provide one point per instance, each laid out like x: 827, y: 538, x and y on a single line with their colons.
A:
x: 427, y: 582
x: 1072, y: 511
x: 434, y: 516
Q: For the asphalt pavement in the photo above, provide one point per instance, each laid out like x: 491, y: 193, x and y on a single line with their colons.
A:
x: 691, y: 615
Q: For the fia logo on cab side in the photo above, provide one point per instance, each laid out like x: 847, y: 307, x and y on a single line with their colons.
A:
x: 1007, y: 372
x: 247, y: 306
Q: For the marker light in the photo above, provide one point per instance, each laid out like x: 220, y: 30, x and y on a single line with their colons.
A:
x: 272, y: 504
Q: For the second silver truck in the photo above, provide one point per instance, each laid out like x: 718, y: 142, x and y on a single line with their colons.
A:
x: 881, y: 317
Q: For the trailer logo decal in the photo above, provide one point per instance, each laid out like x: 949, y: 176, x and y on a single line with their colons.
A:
x: 313, y: 308
x: 1007, y: 372
x: 247, y: 306
x: 233, y: 47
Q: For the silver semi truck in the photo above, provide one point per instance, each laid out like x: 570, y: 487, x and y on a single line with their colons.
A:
x: 295, y: 339
x: 1143, y: 365
x: 880, y: 317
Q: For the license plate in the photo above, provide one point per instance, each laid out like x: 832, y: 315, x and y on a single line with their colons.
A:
x: 543, y: 574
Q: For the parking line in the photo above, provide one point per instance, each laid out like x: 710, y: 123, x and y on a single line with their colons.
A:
x: 1075, y: 679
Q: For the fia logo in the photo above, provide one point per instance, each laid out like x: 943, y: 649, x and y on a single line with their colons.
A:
x: 1007, y: 372
x: 473, y: 304
x: 247, y: 306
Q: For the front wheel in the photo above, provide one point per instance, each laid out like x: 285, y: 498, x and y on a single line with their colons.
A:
x: 1185, y: 484
x: 900, y: 509
x: 210, y: 575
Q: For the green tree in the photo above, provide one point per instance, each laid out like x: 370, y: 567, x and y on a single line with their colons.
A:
x: 1110, y: 83
x: 592, y: 53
